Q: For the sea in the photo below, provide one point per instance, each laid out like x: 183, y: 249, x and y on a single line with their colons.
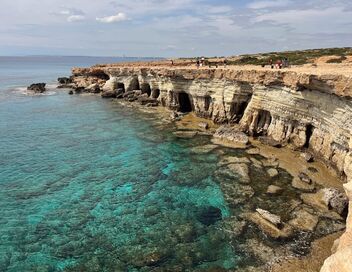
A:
x: 87, y: 184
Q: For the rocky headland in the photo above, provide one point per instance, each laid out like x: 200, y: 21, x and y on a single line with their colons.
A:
x: 273, y: 113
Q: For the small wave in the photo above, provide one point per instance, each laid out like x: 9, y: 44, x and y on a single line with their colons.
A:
x: 24, y: 91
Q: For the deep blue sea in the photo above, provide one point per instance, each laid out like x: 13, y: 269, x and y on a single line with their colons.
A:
x: 91, y: 185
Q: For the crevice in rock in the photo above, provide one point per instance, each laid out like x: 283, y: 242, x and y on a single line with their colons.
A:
x: 207, y: 101
x: 309, y: 133
x: 184, y: 101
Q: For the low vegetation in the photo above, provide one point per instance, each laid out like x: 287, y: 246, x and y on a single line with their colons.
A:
x: 295, y: 57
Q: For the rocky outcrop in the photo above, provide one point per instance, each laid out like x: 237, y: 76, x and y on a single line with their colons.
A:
x: 37, y: 87
x: 308, y: 112
x: 341, y: 260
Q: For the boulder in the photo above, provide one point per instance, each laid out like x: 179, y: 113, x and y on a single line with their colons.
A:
x: 70, y: 92
x: 64, y: 80
x: 272, y: 218
x: 111, y: 85
x: 37, y: 87
x: 274, y: 190
x: 108, y: 94
x: 270, y: 229
x: 233, y: 135
x: 335, y: 200
x: 93, y: 88
x: 272, y: 172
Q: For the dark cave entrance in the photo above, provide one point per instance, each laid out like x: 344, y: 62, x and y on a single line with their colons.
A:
x: 121, y: 86
x: 146, y: 89
x: 309, y: 133
x: 155, y: 93
x: 184, y: 102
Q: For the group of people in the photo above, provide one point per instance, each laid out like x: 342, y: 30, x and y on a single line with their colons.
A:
x: 279, y: 64
x: 202, y: 62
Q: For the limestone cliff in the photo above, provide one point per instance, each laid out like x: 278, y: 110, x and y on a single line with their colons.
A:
x: 304, y: 111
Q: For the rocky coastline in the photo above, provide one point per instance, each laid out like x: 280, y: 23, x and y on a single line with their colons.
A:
x: 264, y: 112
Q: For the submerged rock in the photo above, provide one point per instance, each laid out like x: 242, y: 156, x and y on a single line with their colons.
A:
x: 203, y: 148
x: 209, y: 215
x: 232, y: 159
x: 304, y: 220
x: 241, y: 170
x: 185, y: 134
x: 37, y: 87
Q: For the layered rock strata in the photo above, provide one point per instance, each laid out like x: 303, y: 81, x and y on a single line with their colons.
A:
x: 303, y: 111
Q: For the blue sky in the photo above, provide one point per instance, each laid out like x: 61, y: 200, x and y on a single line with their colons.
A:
x: 171, y: 28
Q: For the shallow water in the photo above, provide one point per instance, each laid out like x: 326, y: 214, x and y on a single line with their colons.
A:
x: 90, y: 185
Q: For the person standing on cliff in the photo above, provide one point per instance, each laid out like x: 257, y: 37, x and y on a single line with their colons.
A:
x: 198, y: 63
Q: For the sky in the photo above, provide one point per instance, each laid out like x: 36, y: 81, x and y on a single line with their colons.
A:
x: 171, y: 28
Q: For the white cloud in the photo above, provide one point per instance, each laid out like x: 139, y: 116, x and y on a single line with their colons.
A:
x: 269, y: 4
x: 75, y: 18
x: 119, y: 17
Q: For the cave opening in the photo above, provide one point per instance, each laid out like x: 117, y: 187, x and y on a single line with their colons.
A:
x: 309, y: 133
x: 155, y: 93
x: 184, y: 102
x: 134, y: 85
x: 121, y: 86
x: 145, y: 88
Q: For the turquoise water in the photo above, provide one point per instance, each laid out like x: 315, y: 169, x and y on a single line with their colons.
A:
x: 87, y: 184
x: 90, y: 185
